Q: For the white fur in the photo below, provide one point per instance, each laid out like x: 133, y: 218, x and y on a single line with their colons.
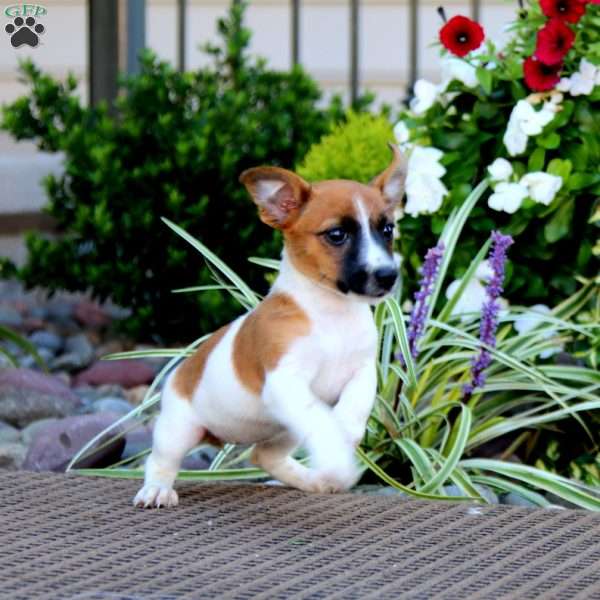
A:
x: 320, y: 396
x: 374, y: 255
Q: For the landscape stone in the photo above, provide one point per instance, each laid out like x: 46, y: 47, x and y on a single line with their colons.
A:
x: 27, y: 395
x: 29, y: 361
x: 136, y: 394
x: 29, y: 433
x: 46, y: 339
x: 10, y: 317
x: 127, y: 373
x: 514, y: 499
x: 112, y: 405
x: 137, y: 440
x: 56, y: 445
x: 12, y: 455
x: 79, y: 353
x: 8, y: 433
x: 91, y: 314
x: 59, y: 310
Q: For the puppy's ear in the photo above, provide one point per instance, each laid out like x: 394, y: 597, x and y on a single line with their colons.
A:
x: 278, y: 193
x: 391, y: 182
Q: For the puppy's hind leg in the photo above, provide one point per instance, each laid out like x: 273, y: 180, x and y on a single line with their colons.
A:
x: 176, y: 432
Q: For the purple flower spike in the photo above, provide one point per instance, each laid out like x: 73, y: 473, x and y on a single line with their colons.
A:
x: 489, y: 312
x: 429, y: 272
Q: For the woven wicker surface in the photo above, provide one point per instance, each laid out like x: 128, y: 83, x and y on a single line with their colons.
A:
x: 74, y: 538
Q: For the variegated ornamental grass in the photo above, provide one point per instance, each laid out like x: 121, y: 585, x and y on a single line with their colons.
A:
x: 420, y: 425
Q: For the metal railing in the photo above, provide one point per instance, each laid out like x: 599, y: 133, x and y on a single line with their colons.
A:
x: 103, y: 41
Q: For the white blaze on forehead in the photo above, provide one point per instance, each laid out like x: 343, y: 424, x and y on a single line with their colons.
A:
x: 373, y: 254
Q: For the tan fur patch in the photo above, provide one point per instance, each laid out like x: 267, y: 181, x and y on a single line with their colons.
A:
x: 190, y: 371
x: 329, y: 203
x: 265, y: 336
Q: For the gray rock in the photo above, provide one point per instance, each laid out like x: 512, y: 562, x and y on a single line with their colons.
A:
x: 59, y: 310
x: 8, y: 433
x: 30, y: 432
x: 10, y: 317
x: 199, y: 460
x: 56, y: 445
x: 79, y: 353
x: 111, y: 404
x: 29, y: 361
x: 137, y: 440
x: 12, y: 455
x: 377, y: 490
x: 126, y: 373
x: 514, y: 499
x: 486, y: 492
x: 47, y: 339
x: 110, y: 389
x: 27, y: 395
x: 38, y: 312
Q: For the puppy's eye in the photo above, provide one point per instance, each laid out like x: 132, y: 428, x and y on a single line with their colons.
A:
x: 388, y: 231
x: 336, y: 236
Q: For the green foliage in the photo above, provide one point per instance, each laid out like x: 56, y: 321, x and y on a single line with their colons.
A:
x: 174, y: 146
x: 421, y: 435
x: 356, y: 149
x: 9, y: 335
x: 468, y: 124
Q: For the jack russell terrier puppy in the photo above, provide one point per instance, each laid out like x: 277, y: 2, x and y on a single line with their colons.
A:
x: 299, y: 369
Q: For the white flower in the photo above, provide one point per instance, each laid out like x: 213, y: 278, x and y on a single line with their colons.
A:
x: 542, y: 187
x: 564, y: 85
x: 426, y: 94
x: 529, y: 320
x: 455, y: 69
x: 515, y: 139
x: 508, y: 197
x: 524, y: 122
x: 402, y: 135
x: 583, y: 81
x: 471, y: 301
x: 426, y: 160
x: 500, y: 170
x: 424, y: 194
x: 425, y: 191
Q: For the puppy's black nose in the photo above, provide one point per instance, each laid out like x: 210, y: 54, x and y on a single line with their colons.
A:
x: 386, y: 278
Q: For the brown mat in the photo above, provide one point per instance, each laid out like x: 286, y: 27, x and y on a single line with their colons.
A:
x: 77, y: 538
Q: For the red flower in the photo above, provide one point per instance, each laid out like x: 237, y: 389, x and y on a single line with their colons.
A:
x: 554, y: 40
x: 461, y: 35
x: 540, y: 77
x: 566, y: 10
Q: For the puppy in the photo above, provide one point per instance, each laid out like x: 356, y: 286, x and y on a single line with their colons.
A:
x: 300, y: 369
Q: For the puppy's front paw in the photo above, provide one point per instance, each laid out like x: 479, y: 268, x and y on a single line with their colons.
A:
x: 153, y: 495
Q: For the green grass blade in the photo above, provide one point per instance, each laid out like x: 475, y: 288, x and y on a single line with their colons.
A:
x: 212, y: 258
x: 536, y: 478
x: 402, y: 337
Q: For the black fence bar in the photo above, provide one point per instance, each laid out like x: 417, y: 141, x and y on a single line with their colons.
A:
x: 136, y: 33
x: 181, y: 33
x: 413, y: 49
x: 103, y: 49
x: 295, y: 31
x: 354, y: 41
x: 476, y: 9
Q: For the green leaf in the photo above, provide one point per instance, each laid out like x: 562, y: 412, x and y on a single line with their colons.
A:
x: 560, y: 224
x: 486, y: 79
x: 537, y: 159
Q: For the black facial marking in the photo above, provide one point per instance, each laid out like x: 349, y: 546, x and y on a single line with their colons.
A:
x: 354, y: 276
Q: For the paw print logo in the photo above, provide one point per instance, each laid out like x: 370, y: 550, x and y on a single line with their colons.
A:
x: 24, y: 31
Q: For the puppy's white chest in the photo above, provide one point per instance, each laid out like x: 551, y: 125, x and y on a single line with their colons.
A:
x: 339, y: 349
